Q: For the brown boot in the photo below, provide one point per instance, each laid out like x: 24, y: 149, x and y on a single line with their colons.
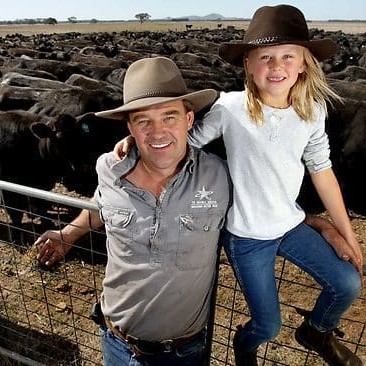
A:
x: 243, y: 358
x: 326, y: 345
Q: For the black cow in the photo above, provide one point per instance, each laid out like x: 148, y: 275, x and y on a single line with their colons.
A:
x: 39, y: 153
x: 26, y: 160
x: 347, y: 135
x: 80, y: 141
x: 346, y: 127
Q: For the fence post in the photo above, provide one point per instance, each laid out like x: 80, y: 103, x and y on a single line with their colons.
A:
x: 211, y: 318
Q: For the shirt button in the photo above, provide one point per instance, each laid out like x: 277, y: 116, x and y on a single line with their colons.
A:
x: 205, y: 228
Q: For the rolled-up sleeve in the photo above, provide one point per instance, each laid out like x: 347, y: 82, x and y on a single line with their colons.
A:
x: 317, y: 152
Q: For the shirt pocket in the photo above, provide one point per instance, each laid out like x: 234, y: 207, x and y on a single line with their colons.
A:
x: 198, y: 239
x: 119, y: 222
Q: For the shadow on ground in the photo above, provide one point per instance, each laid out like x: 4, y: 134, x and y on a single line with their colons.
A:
x: 48, y: 349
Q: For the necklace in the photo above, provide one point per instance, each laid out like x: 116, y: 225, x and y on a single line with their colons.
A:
x: 276, y: 107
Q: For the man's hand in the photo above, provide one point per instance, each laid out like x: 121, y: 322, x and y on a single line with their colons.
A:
x: 52, y: 247
x: 336, y: 241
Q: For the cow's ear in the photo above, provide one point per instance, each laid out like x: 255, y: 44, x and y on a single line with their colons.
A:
x: 41, y: 130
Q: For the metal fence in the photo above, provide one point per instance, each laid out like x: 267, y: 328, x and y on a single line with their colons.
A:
x: 44, y: 313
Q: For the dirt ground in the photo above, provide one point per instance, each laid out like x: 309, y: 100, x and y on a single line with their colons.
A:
x: 59, y: 299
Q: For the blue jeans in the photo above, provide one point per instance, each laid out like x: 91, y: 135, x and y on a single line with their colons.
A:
x: 253, y: 262
x: 117, y: 353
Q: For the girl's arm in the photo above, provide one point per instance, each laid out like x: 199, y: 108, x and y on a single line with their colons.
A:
x: 208, y: 128
x: 203, y: 131
x: 328, y: 189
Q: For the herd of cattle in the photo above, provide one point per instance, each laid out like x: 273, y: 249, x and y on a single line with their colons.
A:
x: 51, y: 85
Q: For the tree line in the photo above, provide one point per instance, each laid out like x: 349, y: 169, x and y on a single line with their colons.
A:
x: 49, y: 20
x: 141, y: 17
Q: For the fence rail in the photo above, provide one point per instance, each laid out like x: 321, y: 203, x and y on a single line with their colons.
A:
x: 44, y: 313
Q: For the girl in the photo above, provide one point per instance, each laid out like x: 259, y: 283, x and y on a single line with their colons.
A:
x: 271, y: 130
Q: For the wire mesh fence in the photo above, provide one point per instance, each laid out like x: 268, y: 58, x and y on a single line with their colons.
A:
x: 44, y: 312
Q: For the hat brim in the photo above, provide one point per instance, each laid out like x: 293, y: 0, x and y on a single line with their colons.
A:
x: 234, y: 52
x: 199, y: 100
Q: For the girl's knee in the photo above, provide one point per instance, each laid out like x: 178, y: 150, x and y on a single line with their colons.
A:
x: 350, y: 285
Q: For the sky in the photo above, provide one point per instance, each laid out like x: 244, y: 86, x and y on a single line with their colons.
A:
x: 158, y: 9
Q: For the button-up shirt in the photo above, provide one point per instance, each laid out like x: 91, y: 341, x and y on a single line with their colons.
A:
x: 161, y: 252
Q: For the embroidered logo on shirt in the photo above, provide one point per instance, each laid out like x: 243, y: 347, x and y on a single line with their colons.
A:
x: 203, y: 194
x: 203, y: 199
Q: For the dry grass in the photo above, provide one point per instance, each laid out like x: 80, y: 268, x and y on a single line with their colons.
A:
x: 49, y: 310
x: 156, y: 26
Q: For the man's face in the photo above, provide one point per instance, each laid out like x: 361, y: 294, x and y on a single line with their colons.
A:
x: 160, y: 133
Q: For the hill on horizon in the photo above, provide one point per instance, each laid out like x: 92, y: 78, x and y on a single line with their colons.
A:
x: 212, y: 17
x: 219, y: 17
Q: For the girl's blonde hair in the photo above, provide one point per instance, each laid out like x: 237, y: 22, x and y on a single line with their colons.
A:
x: 310, y: 87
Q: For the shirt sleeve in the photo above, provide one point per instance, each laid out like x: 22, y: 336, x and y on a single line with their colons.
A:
x: 209, y: 127
x: 102, y: 171
x: 317, y: 152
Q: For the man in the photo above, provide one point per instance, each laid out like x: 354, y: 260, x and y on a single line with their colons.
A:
x: 163, y: 206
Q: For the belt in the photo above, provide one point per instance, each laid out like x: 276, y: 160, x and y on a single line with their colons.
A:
x: 147, y: 348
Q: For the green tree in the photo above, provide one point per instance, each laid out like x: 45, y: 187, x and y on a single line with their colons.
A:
x: 142, y: 17
x: 72, y: 19
x: 52, y: 21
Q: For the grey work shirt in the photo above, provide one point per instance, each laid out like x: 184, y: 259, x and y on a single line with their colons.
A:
x: 161, y: 252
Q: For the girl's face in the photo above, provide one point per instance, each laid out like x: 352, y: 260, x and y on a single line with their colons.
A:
x: 275, y: 70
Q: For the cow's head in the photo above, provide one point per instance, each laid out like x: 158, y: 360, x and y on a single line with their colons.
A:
x: 56, y: 136
x: 60, y: 141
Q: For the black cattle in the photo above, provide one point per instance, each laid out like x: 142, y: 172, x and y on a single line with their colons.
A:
x: 26, y: 160
x: 80, y: 141
x: 39, y: 153
x: 346, y: 127
x: 347, y: 136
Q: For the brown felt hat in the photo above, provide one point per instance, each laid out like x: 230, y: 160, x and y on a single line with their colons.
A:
x: 275, y: 25
x: 156, y: 80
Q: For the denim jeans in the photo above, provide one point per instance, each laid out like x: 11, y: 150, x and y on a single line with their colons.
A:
x: 117, y: 353
x: 253, y: 262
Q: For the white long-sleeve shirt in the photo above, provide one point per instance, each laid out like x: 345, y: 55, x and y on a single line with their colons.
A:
x: 266, y: 163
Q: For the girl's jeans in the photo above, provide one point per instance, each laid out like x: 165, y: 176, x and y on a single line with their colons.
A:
x: 117, y: 353
x: 253, y: 262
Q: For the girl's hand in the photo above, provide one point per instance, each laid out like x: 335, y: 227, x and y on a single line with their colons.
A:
x: 123, y: 147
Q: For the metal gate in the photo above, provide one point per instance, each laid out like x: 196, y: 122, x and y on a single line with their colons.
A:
x: 44, y: 313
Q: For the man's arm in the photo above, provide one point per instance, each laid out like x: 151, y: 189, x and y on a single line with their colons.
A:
x: 53, y: 245
x: 334, y: 238
x: 327, y: 187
